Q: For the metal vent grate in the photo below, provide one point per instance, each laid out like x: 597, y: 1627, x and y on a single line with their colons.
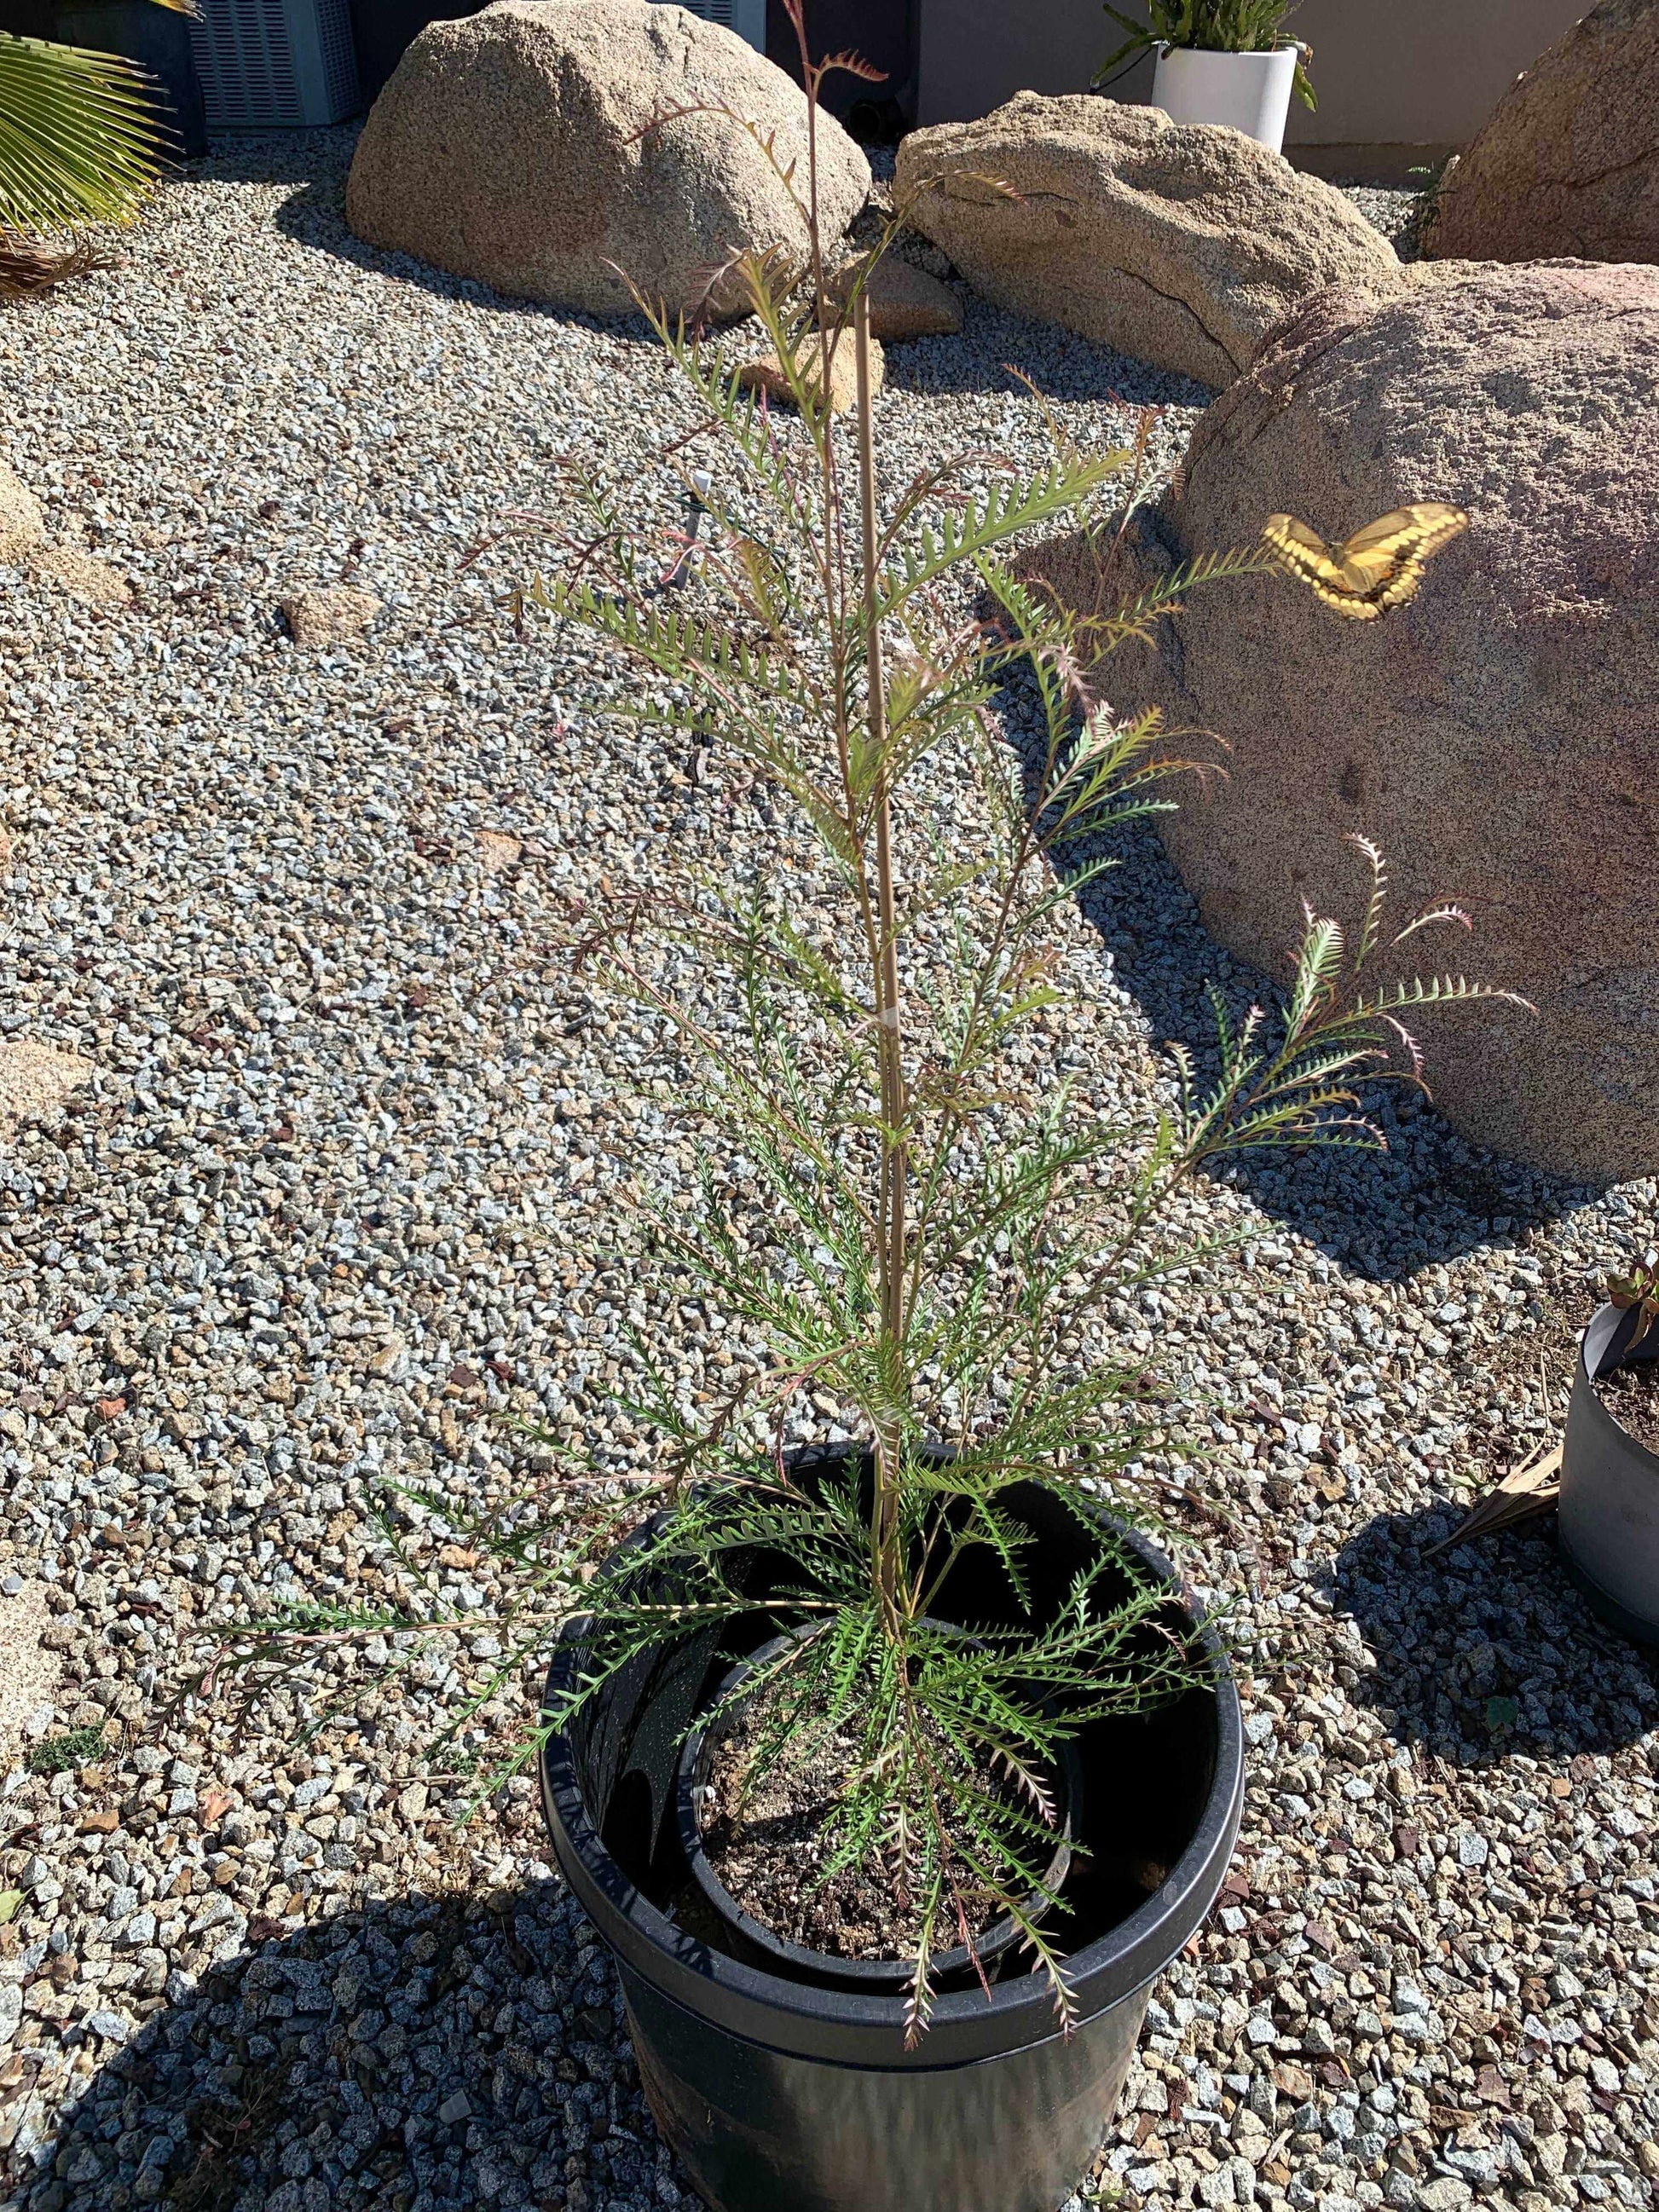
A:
x: 339, y: 59
x: 272, y: 64
x: 746, y: 17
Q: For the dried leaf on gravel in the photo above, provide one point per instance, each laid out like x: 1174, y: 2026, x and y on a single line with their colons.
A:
x: 1529, y: 1490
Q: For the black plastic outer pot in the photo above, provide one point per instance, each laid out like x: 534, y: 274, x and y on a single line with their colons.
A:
x: 158, y: 39
x: 781, y: 2096
x: 382, y: 30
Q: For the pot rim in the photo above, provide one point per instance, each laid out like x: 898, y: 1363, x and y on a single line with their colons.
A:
x: 1162, y: 46
x: 1599, y: 1347
x: 848, y: 2028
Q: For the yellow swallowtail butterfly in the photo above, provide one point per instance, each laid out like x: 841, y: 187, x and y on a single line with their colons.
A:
x: 1380, y: 567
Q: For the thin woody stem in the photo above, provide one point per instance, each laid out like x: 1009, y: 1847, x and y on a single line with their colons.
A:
x: 889, y: 1008
x: 831, y: 565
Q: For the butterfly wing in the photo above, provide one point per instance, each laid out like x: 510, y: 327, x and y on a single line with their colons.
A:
x: 1399, y: 587
x: 1379, y: 567
x: 1372, y: 558
x: 1303, y: 553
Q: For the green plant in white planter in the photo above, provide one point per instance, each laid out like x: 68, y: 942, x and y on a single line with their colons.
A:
x: 1220, y: 61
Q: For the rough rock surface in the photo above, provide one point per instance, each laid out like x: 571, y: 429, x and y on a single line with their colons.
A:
x: 765, y: 373
x: 96, y: 583
x: 331, y: 615
x: 21, y: 525
x: 1180, y: 244
x: 30, y: 1670
x: 513, y: 146
x: 35, y: 1080
x: 906, y: 302
x: 1498, y: 736
x: 1568, y: 162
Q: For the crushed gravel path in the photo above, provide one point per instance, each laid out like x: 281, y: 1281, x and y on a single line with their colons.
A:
x: 324, y: 1212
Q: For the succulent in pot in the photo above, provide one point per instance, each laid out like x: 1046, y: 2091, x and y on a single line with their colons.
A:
x: 1218, y: 61
x: 1608, y: 1512
x: 910, y: 1222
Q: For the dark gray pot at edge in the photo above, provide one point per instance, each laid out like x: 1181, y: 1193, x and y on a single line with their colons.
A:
x: 382, y: 30
x: 1608, y: 1517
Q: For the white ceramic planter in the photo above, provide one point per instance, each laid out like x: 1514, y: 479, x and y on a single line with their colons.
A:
x: 1608, y: 1516
x: 1250, y: 93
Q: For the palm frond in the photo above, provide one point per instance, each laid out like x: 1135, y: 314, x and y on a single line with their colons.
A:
x: 81, y: 139
x: 30, y: 267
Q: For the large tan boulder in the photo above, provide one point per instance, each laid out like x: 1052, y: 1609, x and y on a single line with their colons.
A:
x: 1180, y: 244
x: 1499, y: 735
x: 1568, y: 162
x: 513, y: 146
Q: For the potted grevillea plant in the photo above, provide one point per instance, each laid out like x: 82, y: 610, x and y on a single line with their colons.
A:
x: 1220, y: 61
x: 892, y: 1768
x: 1608, y: 1510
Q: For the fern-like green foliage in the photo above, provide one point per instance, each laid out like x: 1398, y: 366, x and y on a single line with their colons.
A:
x: 1218, y: 27
x: 896, y: 1215
x: 82, y: 140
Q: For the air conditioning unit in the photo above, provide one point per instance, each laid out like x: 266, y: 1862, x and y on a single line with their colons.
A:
x: 274, y: 64
x: 746, y: 17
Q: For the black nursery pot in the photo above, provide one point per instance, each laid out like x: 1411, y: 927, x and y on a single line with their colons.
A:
x: 780, y: 2093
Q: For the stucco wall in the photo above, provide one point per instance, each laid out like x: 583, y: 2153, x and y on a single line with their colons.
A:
x: 1388, y: 72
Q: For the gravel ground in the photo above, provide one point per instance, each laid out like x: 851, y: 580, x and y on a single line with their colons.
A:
x: 1392, y: 211
x: 324, y: 1211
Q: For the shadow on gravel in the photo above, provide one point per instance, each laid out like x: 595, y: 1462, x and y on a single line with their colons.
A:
x: 263, y: 157
x: 995, y: 344
x: 444, y: 2051
x: 1062, y: 365
x: 314, y: 216
x: 1488, y: 1650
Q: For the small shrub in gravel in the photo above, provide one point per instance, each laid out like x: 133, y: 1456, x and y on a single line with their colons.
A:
x: 58, y: 1754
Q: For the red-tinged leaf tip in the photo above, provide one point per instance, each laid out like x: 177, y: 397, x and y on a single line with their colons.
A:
x: 850, y: 62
